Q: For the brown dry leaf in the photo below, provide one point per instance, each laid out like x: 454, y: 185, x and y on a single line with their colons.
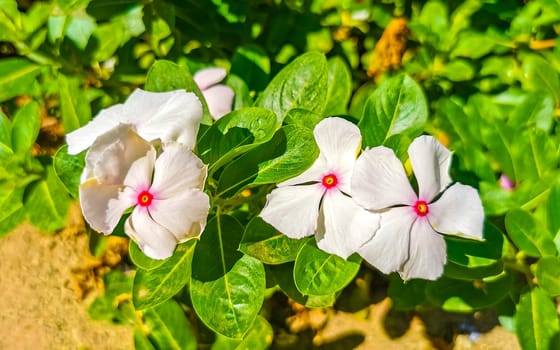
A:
x: 389, y: 49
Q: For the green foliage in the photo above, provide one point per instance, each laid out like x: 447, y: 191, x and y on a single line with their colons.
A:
x: 483, y: 77
x: 160, y: 283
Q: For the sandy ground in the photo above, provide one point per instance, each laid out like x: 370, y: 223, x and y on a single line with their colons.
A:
x: 41, y: 307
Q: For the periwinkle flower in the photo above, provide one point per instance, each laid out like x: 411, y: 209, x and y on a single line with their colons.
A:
x: 164, y: 116
x: 219, y: 97
x: 318, y: 201
x: 164, y: 192
x: 409, y: 239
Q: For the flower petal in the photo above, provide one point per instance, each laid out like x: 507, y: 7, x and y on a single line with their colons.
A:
x: 184, y: 214
x: 94, y: 201
x: 313, y: 174
x: 82, y: 138
x: 388, y: 249
x: 219, y: 99
x: 293, y: 210
x: 427, y: 253
x: 458, y: 211
x: 168, y: 116
x: 379, y: 180
x: 207, y: 77
x: 339, y: 141
x: 176, y: 169
x: 430, y: 162
x: 112, y: 154
x: 139, y: 177
x: 347, y: 226
x: 153, y: 239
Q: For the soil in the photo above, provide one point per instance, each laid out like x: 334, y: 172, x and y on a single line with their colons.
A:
x: 44, y: 299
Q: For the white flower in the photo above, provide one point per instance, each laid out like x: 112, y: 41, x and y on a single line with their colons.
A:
x: 318, y: 201
x: 165, y: 193
x: 219, y: 97
x: 167, y: 116
x: 409, y: 238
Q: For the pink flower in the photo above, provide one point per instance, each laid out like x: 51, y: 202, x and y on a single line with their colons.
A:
x: 219, y: 97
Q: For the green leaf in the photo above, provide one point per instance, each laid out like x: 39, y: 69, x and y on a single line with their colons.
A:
x: 406, y: 295
x: 141, y: 341
x: 524, y: 232
x: 108, y: 306
x: 12, y: 213
x: 167, y: 76
x: 251, y: 64
x: 553, y: 208
x: 339, y: 87
x: 291, y: 151
x: 536, y: 321
x: 17, y: 76
x: 74, y: 105
x: 140, y: 259
x: 301, y: 84
x: 153, y: 287
x: 320, y: 273
x: 465, y: 251
x: 5, y: 134
x: 303, y: 118
x: 258, y: 337
x: 456, y: 70
x: 264, y: 242
x: 25, y: 128
x: 472, y: 44
x: 397, y: 106
x: 168, y: 327
x: 223, y: 141
x: 468, y: 296
x: 283, y: 276
x: 548, y: 275
x: 537, y: 109
x: 461, y: 272
x: 107, y: 9
x: 79, y: 30
x: 69, y: 169
x: 301, y: 152
x: 538, y: 74
x: 47, y: 203
x: 227, y: 287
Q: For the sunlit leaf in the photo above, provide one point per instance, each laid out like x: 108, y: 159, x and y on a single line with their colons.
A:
x: 264, y: 242
x: 169, y: 328
x: 397, y: 106
x: 153, y: 287
x: 301, y: 84
x: 25, y: 128
x: 523, y: 231
x: 69, y: 169
x: 47, y: 203
x: 320, y: 273
x: 17, y: 76
x: 227, y: 287
x: 536, y: 321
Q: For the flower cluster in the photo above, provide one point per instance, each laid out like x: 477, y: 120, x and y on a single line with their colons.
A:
x: 366, y: 204
x: 140, y: 160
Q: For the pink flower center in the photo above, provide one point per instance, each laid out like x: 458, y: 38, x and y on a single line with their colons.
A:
x: 329, y: 181
x: 145, y: 198
x: 421, y: 208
